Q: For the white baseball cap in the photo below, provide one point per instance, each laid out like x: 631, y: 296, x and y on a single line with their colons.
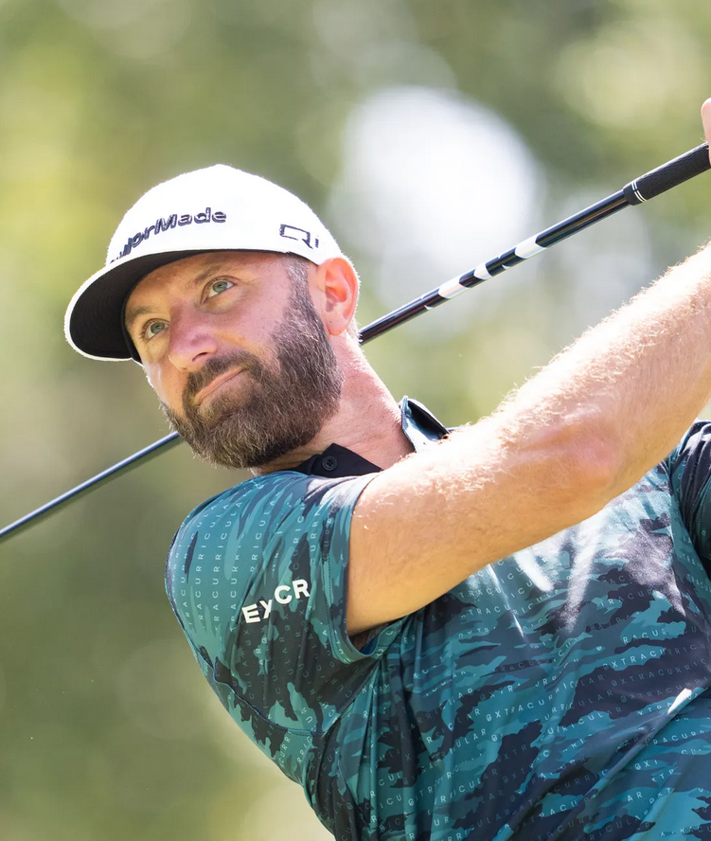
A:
x: 215, y: 209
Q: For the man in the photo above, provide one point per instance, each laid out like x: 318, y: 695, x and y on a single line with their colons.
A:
x: 500, y: 633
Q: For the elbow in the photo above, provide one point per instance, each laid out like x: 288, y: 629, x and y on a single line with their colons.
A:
x: 591, y: 462
x: 598, y: 465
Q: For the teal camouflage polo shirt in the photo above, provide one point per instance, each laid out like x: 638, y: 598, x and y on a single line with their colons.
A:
x: 560, y: 693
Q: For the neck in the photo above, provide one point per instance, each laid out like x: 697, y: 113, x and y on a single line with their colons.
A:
x: 367, y: 422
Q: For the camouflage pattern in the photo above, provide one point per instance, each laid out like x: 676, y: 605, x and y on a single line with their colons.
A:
x: 560, y: 693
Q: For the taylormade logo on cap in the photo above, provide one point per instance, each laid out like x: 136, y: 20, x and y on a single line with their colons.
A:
x: 164, y: 224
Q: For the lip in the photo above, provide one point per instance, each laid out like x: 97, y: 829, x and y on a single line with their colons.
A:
x: 215, y: 384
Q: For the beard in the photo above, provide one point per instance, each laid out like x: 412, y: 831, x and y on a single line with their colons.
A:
x: 280, y: 407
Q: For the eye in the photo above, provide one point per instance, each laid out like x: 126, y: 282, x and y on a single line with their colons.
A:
x: 217, y: 287
x: 153, y: 328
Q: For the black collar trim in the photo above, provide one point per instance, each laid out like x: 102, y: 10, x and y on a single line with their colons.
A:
x: 335, y: 462
x: 418, y: 423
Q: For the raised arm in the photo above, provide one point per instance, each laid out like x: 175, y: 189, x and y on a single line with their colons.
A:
x: 578, y: 434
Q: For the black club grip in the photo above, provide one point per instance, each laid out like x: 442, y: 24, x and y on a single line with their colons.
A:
x: 668, y: 175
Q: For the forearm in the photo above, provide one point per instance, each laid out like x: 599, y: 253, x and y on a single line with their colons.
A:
x: 631, y: 385
x: 590, y: 424
x: 579, y: 433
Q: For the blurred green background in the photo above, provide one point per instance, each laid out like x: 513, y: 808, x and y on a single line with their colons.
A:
x: 430, y: 135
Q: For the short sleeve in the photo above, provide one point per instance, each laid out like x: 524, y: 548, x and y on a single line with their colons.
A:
x: 257, y: 579
x: 690, y: 469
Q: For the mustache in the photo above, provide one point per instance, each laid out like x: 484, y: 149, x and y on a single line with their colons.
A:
x: 197, y: 380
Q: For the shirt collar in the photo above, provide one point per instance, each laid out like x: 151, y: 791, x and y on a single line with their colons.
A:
x: 419, y: 425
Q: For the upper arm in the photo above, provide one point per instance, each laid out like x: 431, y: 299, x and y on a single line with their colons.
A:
x: 257, y: 580
x: 424, y: 525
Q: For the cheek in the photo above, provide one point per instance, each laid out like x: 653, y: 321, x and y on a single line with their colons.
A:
x: 165, y: 385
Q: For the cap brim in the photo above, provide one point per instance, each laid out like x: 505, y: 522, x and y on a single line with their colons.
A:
x: 93, y: 323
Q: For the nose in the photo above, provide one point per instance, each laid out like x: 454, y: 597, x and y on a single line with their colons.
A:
x: 191, y: 342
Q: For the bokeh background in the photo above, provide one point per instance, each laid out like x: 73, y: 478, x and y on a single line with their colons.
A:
x: 430, y: 135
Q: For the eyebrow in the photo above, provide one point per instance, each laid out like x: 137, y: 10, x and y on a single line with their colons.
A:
x: 133, y: 314
x: 136, y: 312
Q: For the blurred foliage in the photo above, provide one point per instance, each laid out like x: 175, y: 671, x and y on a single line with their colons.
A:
x: 107, y: 729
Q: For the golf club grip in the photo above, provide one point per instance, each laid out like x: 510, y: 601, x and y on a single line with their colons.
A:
x: 668, y: 175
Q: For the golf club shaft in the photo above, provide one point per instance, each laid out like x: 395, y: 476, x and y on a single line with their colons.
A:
x: 642, y: 189
x: 123, y: 466
x: 646, y: 187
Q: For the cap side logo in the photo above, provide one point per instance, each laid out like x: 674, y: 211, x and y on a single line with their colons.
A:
x: 299, y: 234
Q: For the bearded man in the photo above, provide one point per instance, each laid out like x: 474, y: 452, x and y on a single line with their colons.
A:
x: 502, y: 632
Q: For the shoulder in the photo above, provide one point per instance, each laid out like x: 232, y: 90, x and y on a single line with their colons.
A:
x: 265, y: 508
x: 268, y: 556
x: 242, y: 506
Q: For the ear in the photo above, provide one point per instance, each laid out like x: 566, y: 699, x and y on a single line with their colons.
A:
x: 335, y: 290
x: 706, y: 120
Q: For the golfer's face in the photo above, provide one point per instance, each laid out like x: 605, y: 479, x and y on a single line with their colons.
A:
x: 202, y: 309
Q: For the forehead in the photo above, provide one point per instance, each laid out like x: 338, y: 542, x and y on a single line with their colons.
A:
x: 182, y: 275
